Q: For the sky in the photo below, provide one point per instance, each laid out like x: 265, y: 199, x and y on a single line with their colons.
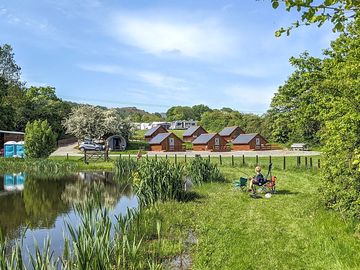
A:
x: 156, y: 54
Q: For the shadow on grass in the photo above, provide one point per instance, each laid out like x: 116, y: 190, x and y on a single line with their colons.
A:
x: 192, y: 196
x: 286, y: 192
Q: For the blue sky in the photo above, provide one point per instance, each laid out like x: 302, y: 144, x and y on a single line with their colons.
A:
x: 156, y: 54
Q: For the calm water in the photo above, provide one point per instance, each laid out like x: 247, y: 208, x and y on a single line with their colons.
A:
x: 37, y: 208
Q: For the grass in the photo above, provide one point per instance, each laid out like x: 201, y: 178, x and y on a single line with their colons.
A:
x: 291, y: 230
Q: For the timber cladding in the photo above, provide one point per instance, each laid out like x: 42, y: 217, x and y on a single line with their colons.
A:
x: 166, y: 142
x: 249, y: 142
x: 210, y: 142
x: 192, y: 135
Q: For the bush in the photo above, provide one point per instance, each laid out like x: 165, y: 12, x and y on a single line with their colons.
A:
x: 40, y: 140
x: 202, y: 170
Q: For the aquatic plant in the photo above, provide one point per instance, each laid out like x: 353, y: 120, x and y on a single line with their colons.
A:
x: 158, y: 180
x: 201, y: 170
x: 124, y: 167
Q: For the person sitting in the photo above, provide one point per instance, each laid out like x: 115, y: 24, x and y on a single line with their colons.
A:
x: 258, y: 179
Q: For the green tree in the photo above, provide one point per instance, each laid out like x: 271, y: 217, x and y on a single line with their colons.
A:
x: 40, y: 140
x: 199, y: 110
x: 338, y: 12
x: 180, y: 113
x: 9, y: 70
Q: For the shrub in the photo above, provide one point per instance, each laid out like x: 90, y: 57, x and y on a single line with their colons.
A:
x: 40, y: 141
x: 202, y: 170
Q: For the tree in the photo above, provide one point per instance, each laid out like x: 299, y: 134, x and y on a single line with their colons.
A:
x: 9, y: 70
x: 180, y: 113
x: 294, y: 109
x: 199, y: 110
x: 40, y: 140
x: 338, y: 12
x: 96, y: 123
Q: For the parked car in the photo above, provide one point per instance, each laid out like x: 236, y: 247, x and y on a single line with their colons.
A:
x: 90, y: 146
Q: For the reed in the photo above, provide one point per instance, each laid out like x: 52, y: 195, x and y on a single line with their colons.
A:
x: 201, y: 170
x: 124, y: 167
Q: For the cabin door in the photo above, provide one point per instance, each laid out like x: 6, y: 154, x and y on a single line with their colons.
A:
x: 217, y: 144
x: 171, y: 143
x: 257, y: 143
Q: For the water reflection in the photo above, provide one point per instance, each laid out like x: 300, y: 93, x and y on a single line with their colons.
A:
x: 43, y: 204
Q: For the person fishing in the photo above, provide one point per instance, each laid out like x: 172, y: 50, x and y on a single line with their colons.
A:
x: 258, y: 179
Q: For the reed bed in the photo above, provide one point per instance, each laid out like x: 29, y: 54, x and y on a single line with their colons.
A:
x: 201, y: 170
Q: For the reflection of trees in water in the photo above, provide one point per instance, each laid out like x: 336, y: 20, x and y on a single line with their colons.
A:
x: 43, y: 202
x: 93, y: 185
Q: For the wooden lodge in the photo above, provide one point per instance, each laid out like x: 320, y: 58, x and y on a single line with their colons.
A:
x: 7, y: 136
x: 192, y: 133
x: 230, y: 133
x: 251, y: 141
x: 166, y: 142
x: 151, y: 133
x: 210, y: 142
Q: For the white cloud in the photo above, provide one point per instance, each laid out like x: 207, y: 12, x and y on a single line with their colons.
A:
x: 168, y: 36
x: 162, y: 81
x: 251, y: 98
x: 103, y: 68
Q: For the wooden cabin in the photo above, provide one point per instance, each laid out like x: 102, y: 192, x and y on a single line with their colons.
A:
x: 192, y: 133
x: 152, y: 132
x: 7, y: 136
x: 210, y: 142
x: 230, y: 133
x: 166, y: 142
x: 251, y: 141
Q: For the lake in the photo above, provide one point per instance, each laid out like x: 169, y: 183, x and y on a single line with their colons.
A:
x: 36, y: 207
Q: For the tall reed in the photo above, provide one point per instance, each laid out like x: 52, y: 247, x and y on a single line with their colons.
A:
x: 201, y: 170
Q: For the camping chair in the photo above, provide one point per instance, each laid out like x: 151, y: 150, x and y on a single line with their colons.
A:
x: 241, y: 183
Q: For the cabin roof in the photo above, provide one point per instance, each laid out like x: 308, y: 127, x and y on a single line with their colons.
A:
x: 244, y: 138
x: 159, y: 138
x: 227, y: 131
x: 152, y: 130
x: 204, y: 138
x: 191, y: 130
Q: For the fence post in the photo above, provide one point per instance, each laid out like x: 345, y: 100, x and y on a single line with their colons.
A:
x: 85, y: 157
x: 175, y: 159
x: 129, y: 157
x: 284, y: 163
x: 319, y: 163
x: 257, y: 160
x: 306, y: 162
x: 67, y: 156
x: 297, y: 161
x: 243, y: 159
x: 166, y: 156
x: 209, y: 158
x: 147, y: 157
x: 232, y: 160
x: 269, y: 159
x: 220, y: 159
x: 311, y: 162
x: 185, y: 158
x: 155, y: 157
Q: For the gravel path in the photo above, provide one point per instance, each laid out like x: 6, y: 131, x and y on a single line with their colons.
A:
x: 69, y: 149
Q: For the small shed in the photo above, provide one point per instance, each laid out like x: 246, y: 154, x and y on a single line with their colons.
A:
x: 152, y: 132
x: 210, y: 142
x: 166, y: 142
x: 116, y: 142
x: 192, y: 133
x: 6, y: 136
x: 299, y: 147
x: 230, y: 133
x: 251, y: 141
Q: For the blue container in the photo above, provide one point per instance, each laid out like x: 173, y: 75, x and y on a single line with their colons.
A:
x: 9, y: 149
x: 19, y: 149
x: 9, y: 182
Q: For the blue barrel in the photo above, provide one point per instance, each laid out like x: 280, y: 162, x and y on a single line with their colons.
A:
x: 19, y: 149
x: 9, y: 149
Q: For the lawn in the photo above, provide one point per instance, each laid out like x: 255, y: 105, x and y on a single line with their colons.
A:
x: 291, y: 230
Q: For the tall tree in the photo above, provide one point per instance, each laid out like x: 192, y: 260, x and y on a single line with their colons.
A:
x: 9, y: 70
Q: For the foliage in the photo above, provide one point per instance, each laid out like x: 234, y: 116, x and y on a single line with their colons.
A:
x: 9, y: 70
x: 320, y: 101
x: 40, y: 140
x: 180, y: 113
x: 124, y: 167
x: 216, y: 120
x: 338, y: 12
x: 96, y: 123
x: 201, y: 170
x: 158, y: 180
x: 295, y: 110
